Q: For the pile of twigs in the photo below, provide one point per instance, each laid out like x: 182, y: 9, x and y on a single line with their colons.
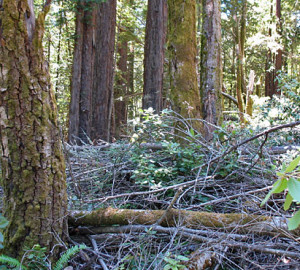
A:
x: 100, y: 177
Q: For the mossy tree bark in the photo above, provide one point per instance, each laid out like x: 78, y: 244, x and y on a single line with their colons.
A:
x: 155, y: 39
x: 182, y: 53
x: 33, y: 170
x: 211, y: 66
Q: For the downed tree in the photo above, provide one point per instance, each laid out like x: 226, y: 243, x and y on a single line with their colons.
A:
x: 240, y: 223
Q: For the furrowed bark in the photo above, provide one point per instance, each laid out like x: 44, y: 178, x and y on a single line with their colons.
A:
x: 32, y: 162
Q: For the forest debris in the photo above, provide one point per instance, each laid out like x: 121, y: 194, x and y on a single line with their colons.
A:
x: 200, y: 260
x: 241, y: 223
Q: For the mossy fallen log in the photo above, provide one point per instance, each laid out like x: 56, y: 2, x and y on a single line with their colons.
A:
x: 240, y: 223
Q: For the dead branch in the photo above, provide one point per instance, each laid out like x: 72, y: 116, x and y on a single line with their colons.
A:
x: 141, y: 193
x: 241, y: 223
x: 230, y: 97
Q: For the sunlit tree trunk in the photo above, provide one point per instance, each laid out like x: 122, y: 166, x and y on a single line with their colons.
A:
x: 182, y: 52
x: 32, y: 163
x: 211, y: 66
x: 155, y: 39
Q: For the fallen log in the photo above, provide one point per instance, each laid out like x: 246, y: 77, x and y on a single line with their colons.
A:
x: 240, y: 223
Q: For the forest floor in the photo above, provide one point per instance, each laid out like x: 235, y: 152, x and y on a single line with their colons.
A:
x: 232, y: 175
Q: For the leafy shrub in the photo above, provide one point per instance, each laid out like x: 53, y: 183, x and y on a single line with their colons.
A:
x: 289, y: 179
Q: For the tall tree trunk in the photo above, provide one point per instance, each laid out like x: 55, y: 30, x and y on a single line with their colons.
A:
x: 269, y: 77
x: 278, y: 57
x: 33, y: 170
x: 129, y: 101
x: 240, y: 77
x: 182, y: 46
x: 103, y: 70
x: 155, y: 39
x: 211, y: 66
x: 82, y: 74
x: 121, y: 89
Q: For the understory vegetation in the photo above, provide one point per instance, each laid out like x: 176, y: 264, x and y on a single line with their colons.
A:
x: 165, y: 163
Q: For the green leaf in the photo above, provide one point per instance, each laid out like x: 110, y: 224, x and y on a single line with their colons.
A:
x: 278, y: 186
x: 167, y: 267
x: 170, y: 261
x: 294, y: 163
x: 182, y: 258
x: 288, y: 201
x: 294, y: 188
x: 294, y: 222
x: 3, y: 222
x: 192, y: 132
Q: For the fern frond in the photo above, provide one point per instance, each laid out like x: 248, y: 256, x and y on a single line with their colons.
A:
x: 12, y: 262
x: 67, y: 255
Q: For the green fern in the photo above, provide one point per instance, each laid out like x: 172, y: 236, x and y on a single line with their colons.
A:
x: 67, y: 255
x: 12, y: 262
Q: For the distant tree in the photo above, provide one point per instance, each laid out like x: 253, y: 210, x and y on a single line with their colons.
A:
x: 32, y: 162
x: 82, y: 73
x: 103, y: 72
x: 121, y: 87
x: 211, y: 66
x: 240, y: 35
x: 182, y: 54
x: 155, y: 39
x: 92, y: 75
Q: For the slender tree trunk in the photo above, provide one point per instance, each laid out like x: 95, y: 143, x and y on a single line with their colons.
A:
x: 278, y: 57
x: 155, y: 40
x: 32, y: 163
x: 240, y: 77
x: 130, y: 80
x: 103, y: 70
x: 211, y: 66
x: 121, y: 89
x: 269, y: 77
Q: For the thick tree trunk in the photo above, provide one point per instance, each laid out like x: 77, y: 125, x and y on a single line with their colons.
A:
x: 33, y: 170
x: 155, y: 40
x: 211, y: 66
x: 182, y: 51
x: 82, y: 75
x: 103, y: 71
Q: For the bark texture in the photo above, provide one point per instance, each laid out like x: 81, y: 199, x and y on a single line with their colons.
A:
x: 33, y: 170
x: 155, y: 40
x: 211, y: 66
x: 82, y: 74
x: 92, y: 75
x: 182, y: 52
x: 103, y: 71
